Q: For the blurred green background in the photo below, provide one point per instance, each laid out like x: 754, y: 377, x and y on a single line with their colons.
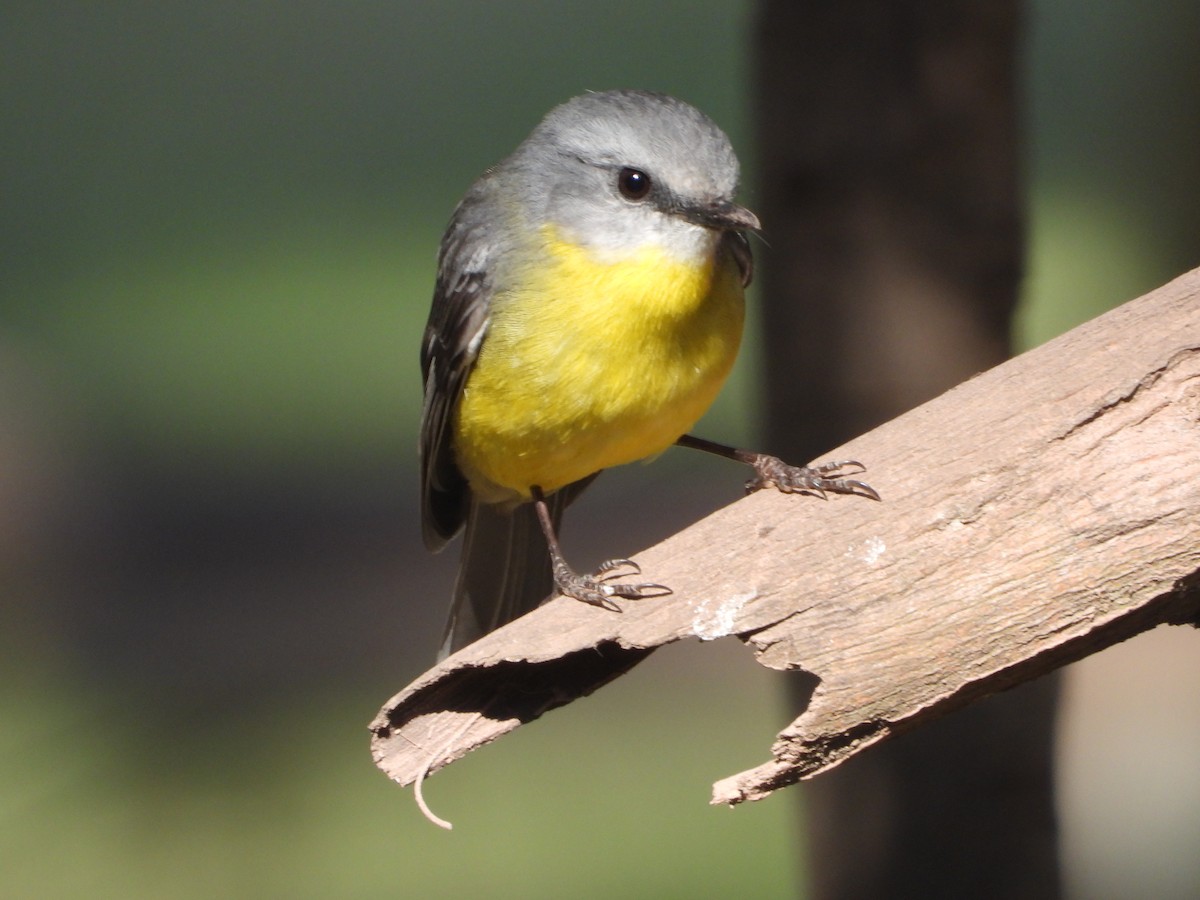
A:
x: 218, y: 224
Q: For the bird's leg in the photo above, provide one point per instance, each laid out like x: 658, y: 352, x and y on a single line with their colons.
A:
x: 598, y: 588
x: 770, y: 471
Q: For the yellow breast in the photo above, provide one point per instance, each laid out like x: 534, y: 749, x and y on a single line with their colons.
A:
x: 591, y: 365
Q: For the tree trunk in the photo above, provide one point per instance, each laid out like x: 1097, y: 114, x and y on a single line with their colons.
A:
x: 892, y: 209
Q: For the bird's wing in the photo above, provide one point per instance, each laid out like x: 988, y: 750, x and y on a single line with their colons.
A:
x: 457, y: 323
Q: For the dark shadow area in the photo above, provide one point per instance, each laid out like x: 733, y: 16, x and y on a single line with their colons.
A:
x: 517, y: 690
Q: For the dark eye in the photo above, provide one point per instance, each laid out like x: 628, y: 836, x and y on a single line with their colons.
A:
x: 634, y: 184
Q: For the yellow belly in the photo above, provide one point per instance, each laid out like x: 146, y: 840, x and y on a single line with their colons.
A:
x: 592, y: 365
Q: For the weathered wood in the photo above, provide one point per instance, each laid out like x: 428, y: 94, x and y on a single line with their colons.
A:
x: 1033, y: 515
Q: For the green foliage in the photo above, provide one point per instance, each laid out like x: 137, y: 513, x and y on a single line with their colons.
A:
x: 106, y: 795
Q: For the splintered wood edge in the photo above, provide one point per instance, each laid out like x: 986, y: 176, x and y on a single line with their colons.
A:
x: 795, y: 758
x: 465, y: 703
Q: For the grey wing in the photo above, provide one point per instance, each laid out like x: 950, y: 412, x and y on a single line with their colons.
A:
x: 457, y: 322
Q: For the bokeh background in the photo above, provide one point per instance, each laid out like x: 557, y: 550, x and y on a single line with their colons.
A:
x: 218, y: 224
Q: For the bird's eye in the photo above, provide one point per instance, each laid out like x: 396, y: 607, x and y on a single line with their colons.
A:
x: 634, y: 184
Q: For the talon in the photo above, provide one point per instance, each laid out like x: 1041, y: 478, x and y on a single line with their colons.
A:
x: 608, y: 570
x: 862, y: 489
x: 830, y: 467
x: 599, y: 587
x: 819, y: 481
x: 603, y: 599
x: 851, y: 486
x: 639, y: 591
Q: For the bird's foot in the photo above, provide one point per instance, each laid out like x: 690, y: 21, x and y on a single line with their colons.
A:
x: 830, y: 478
x: 599, y: 588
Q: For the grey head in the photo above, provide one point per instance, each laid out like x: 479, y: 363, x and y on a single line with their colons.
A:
x: 616, y: 170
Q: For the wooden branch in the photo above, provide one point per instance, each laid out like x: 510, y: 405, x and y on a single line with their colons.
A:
x: 1031, y: 516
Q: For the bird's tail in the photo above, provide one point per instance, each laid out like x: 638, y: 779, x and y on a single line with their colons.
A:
x: 505, y: 569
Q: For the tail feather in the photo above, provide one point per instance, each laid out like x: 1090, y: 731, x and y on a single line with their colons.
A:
x: 505, y: 569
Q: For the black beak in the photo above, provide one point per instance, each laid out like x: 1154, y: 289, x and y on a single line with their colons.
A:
x: 723, y: 215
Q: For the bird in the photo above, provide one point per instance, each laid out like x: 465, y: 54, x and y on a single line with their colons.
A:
x: 588, y: 306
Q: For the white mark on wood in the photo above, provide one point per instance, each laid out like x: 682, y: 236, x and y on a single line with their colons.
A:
x: 870, y: 552
x: 710, y: 624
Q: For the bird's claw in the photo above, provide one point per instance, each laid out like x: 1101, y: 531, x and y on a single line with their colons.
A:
x: 599, y: 588
x: 610, y: 569
x: 829, y: 478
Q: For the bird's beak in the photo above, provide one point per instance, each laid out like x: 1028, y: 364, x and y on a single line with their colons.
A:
x: 722, y: 215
